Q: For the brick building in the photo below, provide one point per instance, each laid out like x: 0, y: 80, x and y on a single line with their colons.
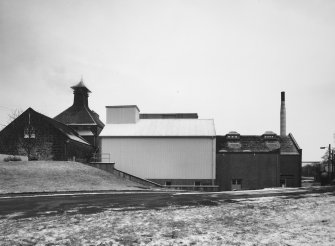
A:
x: 42, y: 138
x: 256, y: 162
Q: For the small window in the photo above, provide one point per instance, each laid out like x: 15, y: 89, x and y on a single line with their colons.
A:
x: 26, y: 133
x: 168, y: 183
x: 29, y: 132
x: 236, y: 181
x: 197, y: 183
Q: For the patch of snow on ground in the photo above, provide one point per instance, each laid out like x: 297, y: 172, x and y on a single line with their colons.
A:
x: 260, y: 221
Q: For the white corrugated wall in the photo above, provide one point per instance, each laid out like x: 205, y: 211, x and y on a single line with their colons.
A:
x: 162, y: 158
x: 122, y: 115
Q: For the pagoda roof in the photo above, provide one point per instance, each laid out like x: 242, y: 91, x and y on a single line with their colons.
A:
x: 74, y: 115
x: 80, y: 85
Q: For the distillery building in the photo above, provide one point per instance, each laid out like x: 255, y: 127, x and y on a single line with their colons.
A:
x: 258, y: 161
x: 80, y: 117
x: 39, y: 137
x: 177, y: 150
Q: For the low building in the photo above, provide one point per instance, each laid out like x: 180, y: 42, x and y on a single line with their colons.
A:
x: 257, y: 162
x: 176, y: 150
x: 39, y: 137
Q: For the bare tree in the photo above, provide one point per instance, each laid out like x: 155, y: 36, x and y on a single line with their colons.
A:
x: 14, y: 114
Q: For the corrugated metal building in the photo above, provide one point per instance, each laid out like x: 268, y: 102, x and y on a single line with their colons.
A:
x: 170, y: 149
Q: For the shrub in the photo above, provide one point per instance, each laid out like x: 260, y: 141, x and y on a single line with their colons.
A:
x: 33, y: 158
x: 12, y: 158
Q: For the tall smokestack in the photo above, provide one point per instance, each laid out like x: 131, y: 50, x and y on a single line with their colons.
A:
x: 282, y: 115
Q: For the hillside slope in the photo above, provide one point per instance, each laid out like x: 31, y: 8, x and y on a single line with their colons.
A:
x: 49, y: 176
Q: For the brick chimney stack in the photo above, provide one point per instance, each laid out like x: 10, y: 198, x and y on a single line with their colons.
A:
x: 282, y: 115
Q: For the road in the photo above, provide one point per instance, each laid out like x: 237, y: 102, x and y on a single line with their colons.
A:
x: 44, y: 205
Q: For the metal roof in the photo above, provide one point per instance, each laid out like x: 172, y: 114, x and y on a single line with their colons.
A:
x: 161, y: 128
x: 124, y: 106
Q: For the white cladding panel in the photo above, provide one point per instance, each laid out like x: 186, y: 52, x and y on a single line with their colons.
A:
x: 122, y: 115
x: 163, y: 158
x: 161, y: 127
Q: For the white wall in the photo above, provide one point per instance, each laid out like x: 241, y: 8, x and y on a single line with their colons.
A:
x: 163, y: 158
x: 122, y: 114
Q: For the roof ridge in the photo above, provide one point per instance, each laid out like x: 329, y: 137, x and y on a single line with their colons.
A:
x: 294, y: 141
x: 89, y: 113
x: 51, y: 120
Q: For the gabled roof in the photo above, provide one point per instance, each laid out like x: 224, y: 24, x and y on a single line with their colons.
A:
x: 256, y: 143
x: 289, y: 145
x: 161, y: 128
x: 63, y: 129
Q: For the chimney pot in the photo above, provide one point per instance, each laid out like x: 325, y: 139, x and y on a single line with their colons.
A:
x: 282, y: 115
x: 283, y: 96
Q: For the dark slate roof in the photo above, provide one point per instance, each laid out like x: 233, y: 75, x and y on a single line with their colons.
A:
x: 83, y: 115
x: 289, y: 145
x: 256, y: 143
x: 64, y: 129
x: 79, y: 112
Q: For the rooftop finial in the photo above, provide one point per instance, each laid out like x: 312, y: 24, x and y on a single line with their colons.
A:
x: 80, y: 85
x: 81, y: 79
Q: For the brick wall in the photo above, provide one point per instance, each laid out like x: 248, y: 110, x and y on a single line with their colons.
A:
x: 255, y: 170
x: 290, y: 170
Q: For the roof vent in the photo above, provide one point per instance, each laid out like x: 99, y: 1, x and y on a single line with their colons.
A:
x: 270, y: 135
x: 232, y: 135
x: 80, y: 92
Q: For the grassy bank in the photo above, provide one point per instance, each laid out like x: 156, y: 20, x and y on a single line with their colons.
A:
x: 49, y: 176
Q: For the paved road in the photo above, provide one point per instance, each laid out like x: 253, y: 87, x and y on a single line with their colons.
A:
x: 36, y: 205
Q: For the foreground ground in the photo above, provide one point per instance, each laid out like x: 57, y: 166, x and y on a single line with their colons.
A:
x: 49, y: 176
x: 302, y: 219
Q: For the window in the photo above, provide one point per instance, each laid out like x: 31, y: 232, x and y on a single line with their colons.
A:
x: 29, y: 132
x: 168, y: 183
x: 233, y: 136
x: 197, y: 183
x: 236, y: 181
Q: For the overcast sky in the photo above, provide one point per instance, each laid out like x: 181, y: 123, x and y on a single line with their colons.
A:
x: 225, y: 60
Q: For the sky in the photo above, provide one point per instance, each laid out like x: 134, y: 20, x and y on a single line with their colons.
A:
x: 226, y: 60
